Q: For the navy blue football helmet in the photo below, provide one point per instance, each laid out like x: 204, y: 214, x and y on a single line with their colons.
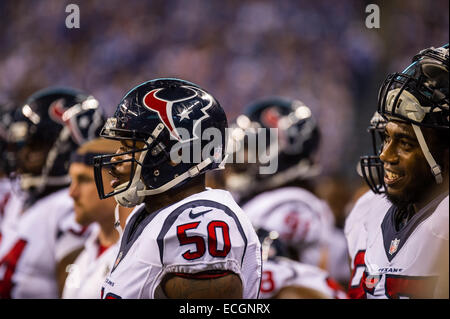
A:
x: 52, y: 123
x: 420, y: 96
x: 182, y: 129
x: 371, y: 167
x: 293, y: 147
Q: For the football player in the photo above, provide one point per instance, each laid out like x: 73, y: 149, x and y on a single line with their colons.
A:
x: 407, y: 244
x: 46, y: 129
x: 284, y: 278
x: 88, y: 272
x: 186, y: 241
x: 370, y: 203
x: 283, y: 200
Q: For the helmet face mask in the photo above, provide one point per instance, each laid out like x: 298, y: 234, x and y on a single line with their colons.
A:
x: 171, y: 119
x: 371, y: 167
x: 134, y: 156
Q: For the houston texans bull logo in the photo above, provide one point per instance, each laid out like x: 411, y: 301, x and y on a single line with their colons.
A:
x: 179, y: 114
x: 57, y: 112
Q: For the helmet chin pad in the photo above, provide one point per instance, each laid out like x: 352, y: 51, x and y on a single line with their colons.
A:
x: 130, y: 197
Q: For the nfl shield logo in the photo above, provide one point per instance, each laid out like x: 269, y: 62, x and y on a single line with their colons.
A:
x: 394, y: 246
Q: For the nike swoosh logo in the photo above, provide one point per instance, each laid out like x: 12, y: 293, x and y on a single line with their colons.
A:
x: 195, y: 215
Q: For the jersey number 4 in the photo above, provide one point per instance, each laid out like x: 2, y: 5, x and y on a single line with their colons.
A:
x: 199, y: 241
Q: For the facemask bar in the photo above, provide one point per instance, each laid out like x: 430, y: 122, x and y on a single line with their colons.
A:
x: 104, y: 162
x: 373, y: 173
x: 370, y: 166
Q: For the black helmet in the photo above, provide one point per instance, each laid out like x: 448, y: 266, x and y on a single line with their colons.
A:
x: 55, y: 121
x: 420, y: 94
x: 286, y: 129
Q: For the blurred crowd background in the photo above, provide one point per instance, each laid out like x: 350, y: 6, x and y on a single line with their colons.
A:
x: 320, y: 52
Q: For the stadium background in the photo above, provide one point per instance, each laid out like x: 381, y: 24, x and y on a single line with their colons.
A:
x: 318, y: 51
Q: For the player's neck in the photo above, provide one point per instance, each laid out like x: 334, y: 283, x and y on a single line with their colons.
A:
x: 153, y: 203
x: 108, y: 235
x: 434, y: 192
x: 124, y: 212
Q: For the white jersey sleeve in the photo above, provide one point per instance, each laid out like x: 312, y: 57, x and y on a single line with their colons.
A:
x: 280, y: 272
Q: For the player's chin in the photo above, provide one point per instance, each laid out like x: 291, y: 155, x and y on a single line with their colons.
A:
x: 399, y: 196
x: 80, y: 216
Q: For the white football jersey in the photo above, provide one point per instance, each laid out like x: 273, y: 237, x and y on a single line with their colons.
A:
x: 88, y: 272
x: 369, y: 204
x: 409, y: 263
x: 281, y: 272
x: 302, y: 220
x: 387, y: 263
x: 203, y: 232
x: 46, y: 233
x: 12, y: 213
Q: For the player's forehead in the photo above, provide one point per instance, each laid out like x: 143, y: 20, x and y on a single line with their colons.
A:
x: 79, y: 169
x: 400, y: 129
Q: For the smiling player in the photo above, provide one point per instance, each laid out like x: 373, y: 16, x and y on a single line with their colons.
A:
x: 407, y: 246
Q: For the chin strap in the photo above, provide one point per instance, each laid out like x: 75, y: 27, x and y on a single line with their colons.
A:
x: 409, y: 105
x: 193, y: 171
x: 435, y: 168
x: 137, y: 191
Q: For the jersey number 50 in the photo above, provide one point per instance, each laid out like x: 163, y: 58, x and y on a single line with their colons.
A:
x: 199, y: 241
